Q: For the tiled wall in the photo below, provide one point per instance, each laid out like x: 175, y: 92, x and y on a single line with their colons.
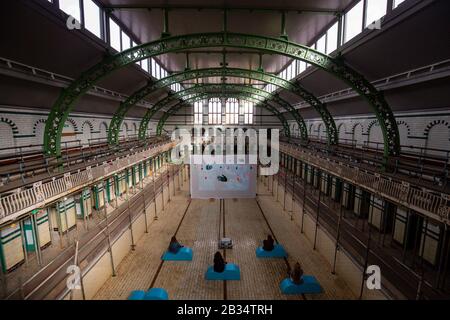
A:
x: 427, y: 129
x: 24, y: 127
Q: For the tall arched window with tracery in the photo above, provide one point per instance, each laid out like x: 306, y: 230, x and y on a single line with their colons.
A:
x: 232, y: 111
x: 248, y: 112
x: 198, y: 112
x: 215, y: 111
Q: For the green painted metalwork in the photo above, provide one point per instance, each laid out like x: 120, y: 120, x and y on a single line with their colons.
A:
x: 119, y: 116
x: 205, y: 88
x: 69, y: 96
x: 242, y: 95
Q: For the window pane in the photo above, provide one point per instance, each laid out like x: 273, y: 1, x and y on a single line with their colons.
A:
x: 71, y: 7
x: 126, y: 41
x: 144, y: 64
x: 321, y: 44
x: 114, y: 35
x: 353, y: 21
x: 332, y: 38
x: 302, y: 66
x: 375, y: 10
x: 153, y: 68
x: 92, y: 17
x: 397, y: 2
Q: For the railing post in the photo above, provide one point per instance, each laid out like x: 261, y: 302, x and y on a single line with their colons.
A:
x: 24, y: 243
x: 36, y: 239
x: 131, y: 223
x: 317, y: 215
x: 285, y: 189
x: 294, y: 178
x: 338, y: 233
x: 108, y: 236
x: 304, y: 199
x: 366, y: 259
x: 154, y: 195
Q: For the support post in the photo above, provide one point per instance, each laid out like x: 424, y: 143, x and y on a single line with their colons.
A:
x: 283, y: 34
x: 225, y: 18
x: 36, y: 239
x: 317, y: 217
x: 131, y: 223
x: 24, y: 242
x: 405, y: 236
x: 108, y: 236
x: 294, y: 178
x: 145, y: 211
x: 304, y: 201
x: 154, y: 196
x: 366, y: 259
x: 422, y: 269
x: 166, y: 32
x: 285, y: 189
x: 338, y: 233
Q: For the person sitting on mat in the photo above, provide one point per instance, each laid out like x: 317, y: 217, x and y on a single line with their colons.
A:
x: 268, y: 243
x: 174, y: 245
x: 219, y: 262
x: 296, y: 274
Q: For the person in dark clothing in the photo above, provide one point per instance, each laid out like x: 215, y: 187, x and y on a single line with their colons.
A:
x: 296, y: 274
x: 174, y: 245
x: 219, y: 262
x: 268, y: 243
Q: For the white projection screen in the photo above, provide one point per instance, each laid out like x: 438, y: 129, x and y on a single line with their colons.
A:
x: 222, y: 181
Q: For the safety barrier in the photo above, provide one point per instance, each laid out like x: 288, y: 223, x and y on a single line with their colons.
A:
x: 13, y: 205
x: 435, y: 206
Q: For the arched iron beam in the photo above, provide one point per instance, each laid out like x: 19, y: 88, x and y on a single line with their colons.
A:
x: 244, y: 96
x: 60, y: 111
x: 203, y: 88
x: 116, y: 122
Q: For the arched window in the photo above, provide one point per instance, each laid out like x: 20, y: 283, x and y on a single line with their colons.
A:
x: 198, y: 112
x: 215, y: 111
x: 248, y: 112
x: 232, y: 111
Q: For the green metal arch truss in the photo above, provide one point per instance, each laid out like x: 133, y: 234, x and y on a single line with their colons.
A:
x: 60, y: 111
x: 242, y: 95
x: 116, y: 122
x: 264, y: 95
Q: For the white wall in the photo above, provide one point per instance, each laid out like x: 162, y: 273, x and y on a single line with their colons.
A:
x: 24, y: 127
x: 428, y: 128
